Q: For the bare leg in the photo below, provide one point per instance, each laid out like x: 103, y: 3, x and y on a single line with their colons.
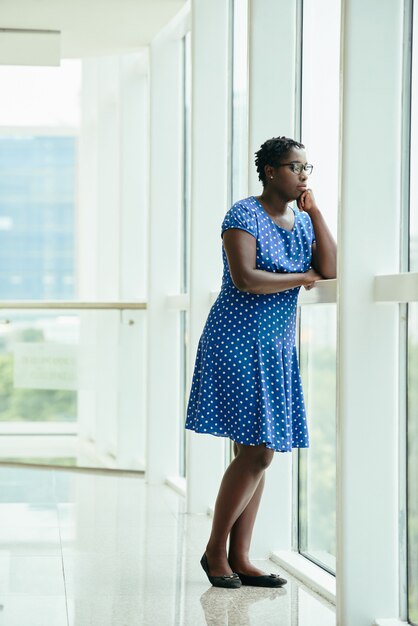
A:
x: 241, y: 532
x: 238, y: 486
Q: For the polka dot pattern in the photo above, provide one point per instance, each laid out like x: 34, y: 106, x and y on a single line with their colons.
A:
x: 246, y: 382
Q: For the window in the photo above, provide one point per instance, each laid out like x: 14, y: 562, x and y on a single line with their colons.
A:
x: 317, y: 464
x: 317, y: 330
x: 37, y: 209
x: 239, y: 101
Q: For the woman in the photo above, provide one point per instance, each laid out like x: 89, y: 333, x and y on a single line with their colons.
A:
x: 246, y: 382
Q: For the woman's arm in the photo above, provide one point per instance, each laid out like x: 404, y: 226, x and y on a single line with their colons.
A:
x: 324, y: 251
x: 241, y: 250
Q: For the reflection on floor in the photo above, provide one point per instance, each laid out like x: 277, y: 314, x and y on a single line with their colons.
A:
x: 85, y: 549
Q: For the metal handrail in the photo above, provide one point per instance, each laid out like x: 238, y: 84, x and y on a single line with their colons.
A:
x: 69, y: 304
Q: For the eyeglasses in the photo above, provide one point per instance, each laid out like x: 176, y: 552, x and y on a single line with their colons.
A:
x: 298, y: 167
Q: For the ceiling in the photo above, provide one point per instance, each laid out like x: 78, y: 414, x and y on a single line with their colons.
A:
x: 92, y: 27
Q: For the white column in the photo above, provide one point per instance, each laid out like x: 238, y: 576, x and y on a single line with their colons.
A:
x: 272, y: 112
x: 134, y: 175
x: 86, y: 228
x: 210, y: 112
x: 108, y: 246
x: 134, y: 135
x: 367, y: 351
x: 99, y: 245
x: 163, y: 385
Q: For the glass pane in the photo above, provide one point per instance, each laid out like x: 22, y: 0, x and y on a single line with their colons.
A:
x: 413, y: 215
x: 412, y: 459
x: 53, y: 94
x: 38, y: 181
x: 37, y: 217
x: 317, y: 464
x: 320, y: 135
x: 320, y: 102
x: 239, y: 182
x: 76, y: 380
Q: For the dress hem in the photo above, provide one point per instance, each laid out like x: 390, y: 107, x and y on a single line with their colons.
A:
x: 232, y: 437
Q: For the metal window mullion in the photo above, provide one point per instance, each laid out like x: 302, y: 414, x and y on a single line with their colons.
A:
x: 403, y: 457
x: 404, y: 264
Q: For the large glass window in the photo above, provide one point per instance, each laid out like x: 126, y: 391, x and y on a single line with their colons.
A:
x: 317, y: 323
x: 317, y: 464
x: 38, y: 183
x: 239, y: 112
x: 321, y: 102
x: 37, y: 217
x: 39, y: 122
x: 71, y: 377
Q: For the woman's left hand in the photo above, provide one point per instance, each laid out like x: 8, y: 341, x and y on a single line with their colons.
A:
x: 306, y: 201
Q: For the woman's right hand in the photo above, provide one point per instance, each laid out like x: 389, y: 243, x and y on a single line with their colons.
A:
x: 311, y: 276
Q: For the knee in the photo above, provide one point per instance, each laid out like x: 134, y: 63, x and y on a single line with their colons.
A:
x: 264, y: 457
x: 259, y: 457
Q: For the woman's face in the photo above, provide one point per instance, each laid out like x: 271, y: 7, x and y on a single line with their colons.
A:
x: 290, y: 185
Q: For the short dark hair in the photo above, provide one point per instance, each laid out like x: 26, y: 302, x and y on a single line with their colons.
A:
x: 271, y: 153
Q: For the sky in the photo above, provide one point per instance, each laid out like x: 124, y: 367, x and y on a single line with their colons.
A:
x: 41, y: 96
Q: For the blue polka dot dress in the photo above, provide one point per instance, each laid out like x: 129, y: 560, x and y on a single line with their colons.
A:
x: 246, y: 382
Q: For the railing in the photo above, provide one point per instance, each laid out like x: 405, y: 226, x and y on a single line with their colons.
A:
x: 73, y: 382
x: 69, y: 304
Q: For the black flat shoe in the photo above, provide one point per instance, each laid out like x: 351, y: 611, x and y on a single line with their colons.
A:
x: 265, y: 580
x: 231, y: 581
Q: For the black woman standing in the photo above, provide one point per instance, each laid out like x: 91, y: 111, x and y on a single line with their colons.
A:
x: 246, y: 382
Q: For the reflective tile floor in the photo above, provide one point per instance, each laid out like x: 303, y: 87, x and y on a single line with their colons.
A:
x: 87, y: 549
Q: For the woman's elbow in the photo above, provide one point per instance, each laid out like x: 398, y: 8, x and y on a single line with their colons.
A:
x: 328, y: 271
x: 241, y: 286
x: 328, y: 275
x: 241, y: 283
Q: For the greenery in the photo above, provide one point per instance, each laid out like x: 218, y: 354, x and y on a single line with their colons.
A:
x: 317, y: 498
x: 317, y: 504
x: 32, y: 405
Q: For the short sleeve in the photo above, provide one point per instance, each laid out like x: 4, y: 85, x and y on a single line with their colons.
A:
x: 240, y: 216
